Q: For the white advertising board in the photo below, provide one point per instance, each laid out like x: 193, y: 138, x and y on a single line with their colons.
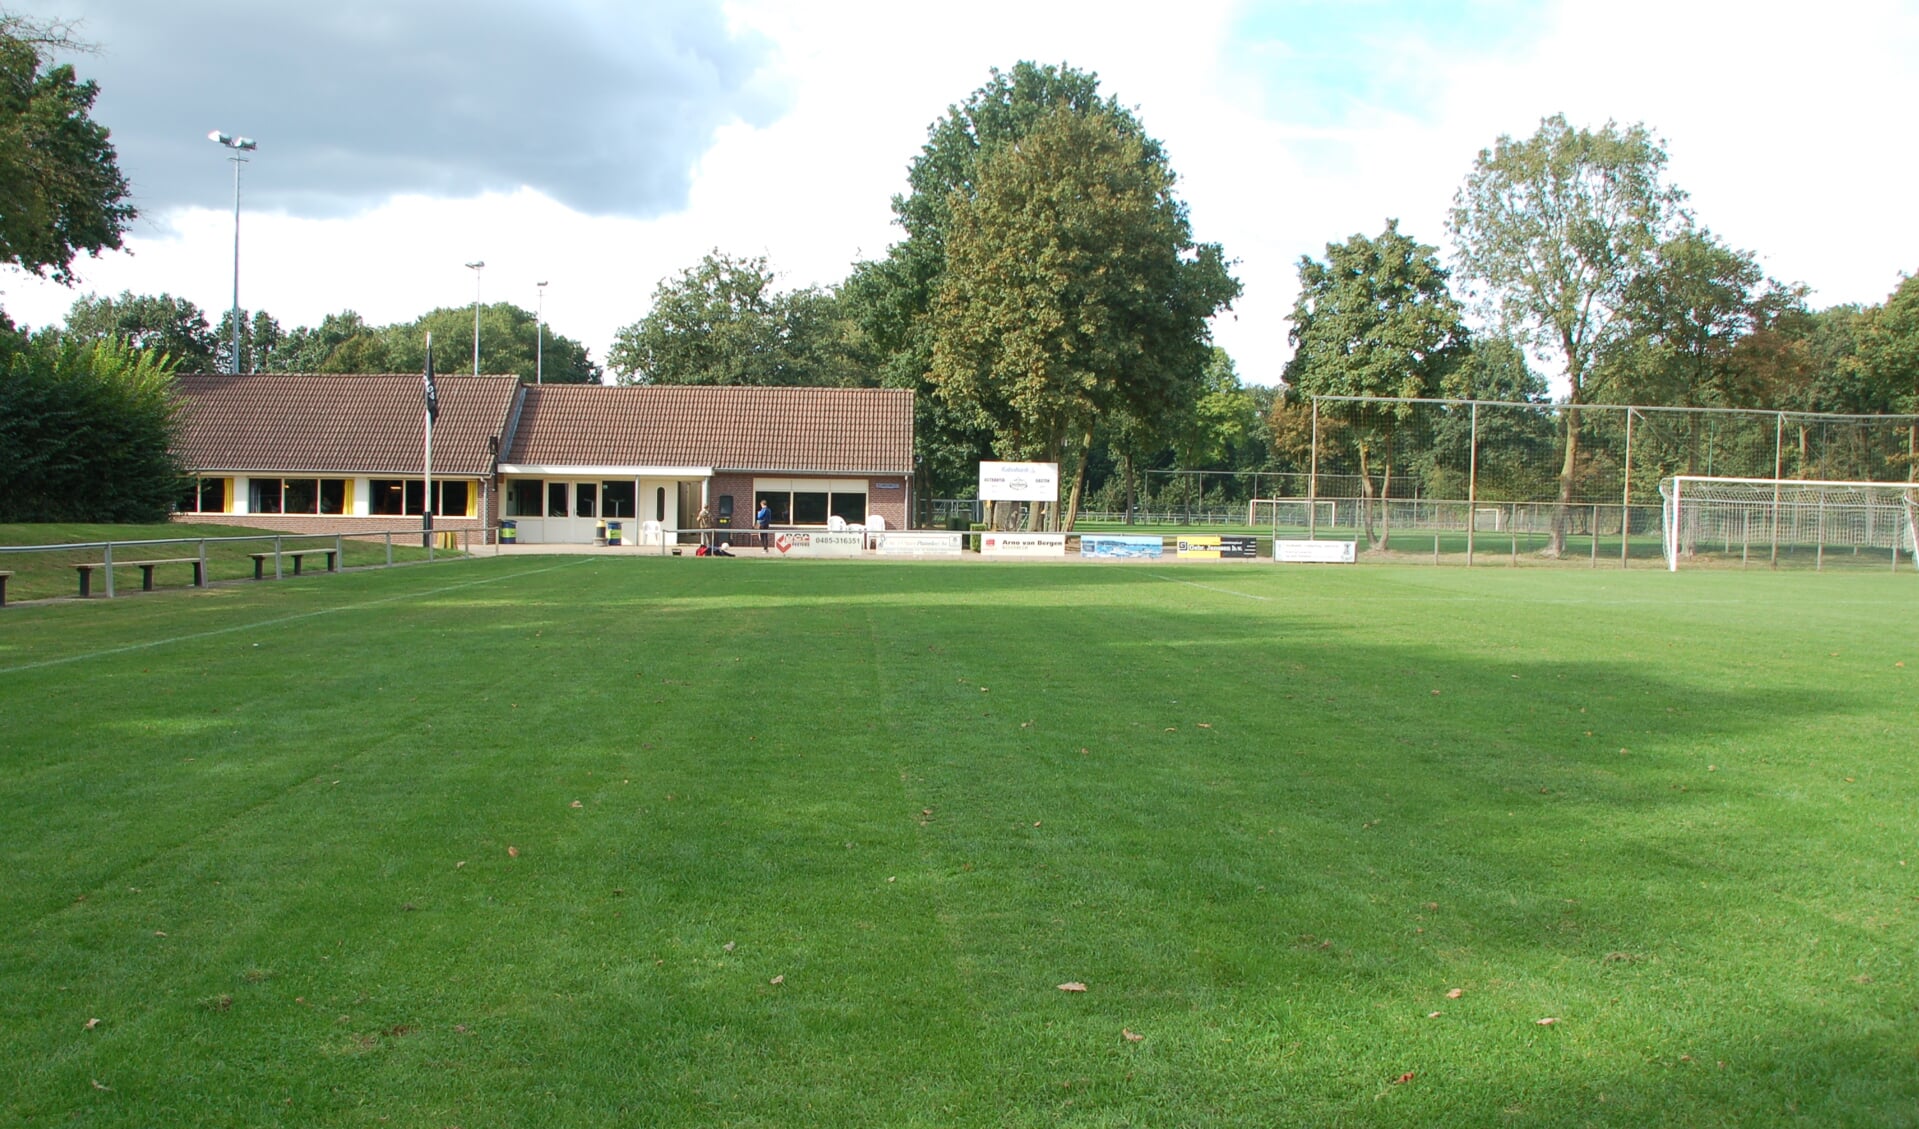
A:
x: 1022, y: 544
x: 916, y: 543
x: 1315, y: 552
x: 812, y: 544
x: 1019, y: 482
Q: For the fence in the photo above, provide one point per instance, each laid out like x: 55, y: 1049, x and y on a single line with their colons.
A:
x: 1556, y: 471
x: 48, y: 570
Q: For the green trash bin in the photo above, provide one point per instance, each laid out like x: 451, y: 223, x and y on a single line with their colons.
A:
x: 509, y: 532
x: 612, y: 532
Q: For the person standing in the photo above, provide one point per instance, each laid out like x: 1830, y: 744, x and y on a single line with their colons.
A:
x: 764, y: 520
x: 705, y: 522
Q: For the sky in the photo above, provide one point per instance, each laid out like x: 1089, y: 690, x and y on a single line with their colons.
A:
x: 601, y: 146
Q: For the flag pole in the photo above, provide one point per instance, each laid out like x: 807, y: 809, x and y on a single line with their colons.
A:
x: 432, y: 412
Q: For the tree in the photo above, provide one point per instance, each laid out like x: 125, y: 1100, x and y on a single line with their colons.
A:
x: 154, y: 322
x: 1374, y: 320
x: 86, y: 433
x: 1889, y: 358
x: 893, y: 298
x: 1683, y: 318
x: 1071, y: 287
x: 509, y: 337
x: 260, y: 339
x: 723, y: 322
x: 314, y: 348
x: 1552, y: 230
x: 61, y: 192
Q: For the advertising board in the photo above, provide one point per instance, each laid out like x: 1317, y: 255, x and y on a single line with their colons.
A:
x: 1019, y: 482
x: 1122, y: 546
x: 915, y: 543
x: 1023, y: 544
x: 1210, y: 547
x: 1315, y: 552
x: 809, y: 543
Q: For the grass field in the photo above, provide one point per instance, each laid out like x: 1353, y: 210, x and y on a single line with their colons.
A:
x: 588, y: 841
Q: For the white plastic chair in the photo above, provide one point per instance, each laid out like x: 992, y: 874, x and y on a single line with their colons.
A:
x: 652, y: 533
x: 876, y: 523
x: 836, y: 523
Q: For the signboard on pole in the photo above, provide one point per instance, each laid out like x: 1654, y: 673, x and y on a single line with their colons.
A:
x: 1019, y: 482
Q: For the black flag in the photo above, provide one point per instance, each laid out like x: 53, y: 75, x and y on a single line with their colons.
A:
x: 432, y: 393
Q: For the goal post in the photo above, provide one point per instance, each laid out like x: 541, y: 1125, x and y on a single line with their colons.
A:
x: 1711, y: 516
x: 1301, y: 513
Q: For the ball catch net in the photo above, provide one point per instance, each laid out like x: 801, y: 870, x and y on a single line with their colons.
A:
x: 1789, y: 521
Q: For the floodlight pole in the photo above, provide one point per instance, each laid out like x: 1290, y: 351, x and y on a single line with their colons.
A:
x: 539, y: 331
x: 476, y: 267
x: 239, y: 145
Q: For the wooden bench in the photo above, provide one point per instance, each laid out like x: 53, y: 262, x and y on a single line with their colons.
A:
x: 146, y: 568
x: 3, y: 587
x: 260, y: 560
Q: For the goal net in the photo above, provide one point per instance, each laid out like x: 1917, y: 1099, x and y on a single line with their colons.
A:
x: 1774, y: 518
x: 1291, y: 513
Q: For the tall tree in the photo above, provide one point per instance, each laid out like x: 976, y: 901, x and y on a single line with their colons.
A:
x: 1072, y: 287
x: 61, y: 191
x: 1376, y: 319
x: 1551, y: 230
x: 157, y: 322
x: 894, y: 297
x: 724, y: 321
x: 261, y: 338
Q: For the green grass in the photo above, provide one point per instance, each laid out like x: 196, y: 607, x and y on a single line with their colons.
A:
x: 40, y: 575
x: 527, y: 841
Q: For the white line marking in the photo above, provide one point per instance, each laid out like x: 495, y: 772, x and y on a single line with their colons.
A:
x: 1210, y: 588
x: 274, y: 622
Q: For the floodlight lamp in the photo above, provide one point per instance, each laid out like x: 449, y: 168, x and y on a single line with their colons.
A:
x: 476, y: 266
x: 539, y: 284
x: 245, y: 144
x: 216, y: 135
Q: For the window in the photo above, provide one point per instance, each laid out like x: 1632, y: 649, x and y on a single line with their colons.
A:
x: 300, y: 495
x: 523, y: 497
x: 809, y: 507
x: 659, y: 504
x: 617, y: 499
x: 333, y: 495
x: 850, y: 508
x: 393, y: 497
x: 204, y: 496
x: 584, y: 495
x: 556, y: 499
x: 452, y: 496
x: 263, y: 495
x: 812, y: 501
x: 387, y: 497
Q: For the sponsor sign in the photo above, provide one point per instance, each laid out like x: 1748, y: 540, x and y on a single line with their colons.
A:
x: 1315, y: 552
x: 1019, y: 482
x: 915, y: 543
x: 1217, y: 548
x: 1022, y: 544
x: 1122, y: 546
x: 811, y: 544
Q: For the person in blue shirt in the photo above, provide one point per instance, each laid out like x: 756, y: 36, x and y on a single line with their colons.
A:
x: 764, y: 520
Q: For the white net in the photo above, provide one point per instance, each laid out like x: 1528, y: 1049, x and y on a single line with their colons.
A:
x: 1788, y: 521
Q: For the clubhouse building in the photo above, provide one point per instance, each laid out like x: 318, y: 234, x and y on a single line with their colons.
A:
x: 346, y: 454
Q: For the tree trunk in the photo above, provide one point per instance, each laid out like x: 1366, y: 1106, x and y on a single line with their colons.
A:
x: 1385, y: 504
x: 1079, y: 480
x: 1366, y: 497
x: 1132, y: 496
x: 1563, y: 511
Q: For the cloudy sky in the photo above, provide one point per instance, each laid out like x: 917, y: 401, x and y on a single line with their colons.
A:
x: 601, y: 145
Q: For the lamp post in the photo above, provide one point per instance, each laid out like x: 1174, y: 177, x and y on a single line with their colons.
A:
x: 539, y: 332
x: 239, y: 145
x: 476, y: 266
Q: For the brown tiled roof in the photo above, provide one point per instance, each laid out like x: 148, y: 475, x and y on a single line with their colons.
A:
x: 830, y: 430
x: 328, y: 424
